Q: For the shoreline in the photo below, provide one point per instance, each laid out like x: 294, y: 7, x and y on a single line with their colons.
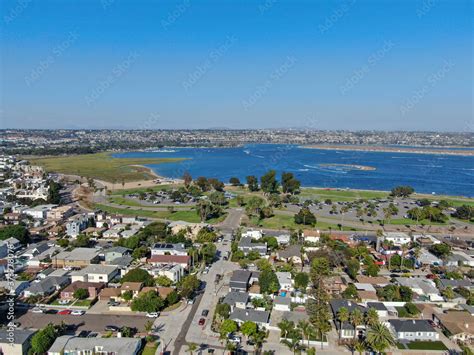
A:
x: 407, y: 150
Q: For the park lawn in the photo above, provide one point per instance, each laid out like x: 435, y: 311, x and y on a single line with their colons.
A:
x: 411, y: 222
x: 281, y: 221
x: 190, y: 216
x: 137, y: 190
x: 426, y: 345
x: 102, y: 166
x: 134, y: 203
x: 340, y: 195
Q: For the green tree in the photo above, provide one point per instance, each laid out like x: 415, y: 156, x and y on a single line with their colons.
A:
x: 138, y: 275
x: 208, y: 252
x: 19, y: 232
x: 289, y: 183
x: 342, y: 317
x: 248, y: 328
x: 448, y: 293
x: 127, y: 295
x: 223, y: 310
x: 252, y: 183
x: 188, y: 285
x: 192, y: 347
x: 371, y: 317
x: 227, y: 326
x: 269, y: 183
x: 301, y: 280
x: 234, y: 181
x: 268, y: 282
x: 285, y: 327
x: 402, y: 191
x: 44, y: 338
x: 164, y: 281
x: 254, y: 206
x: 147, y: 302
x: 81, y: 294
x: 356, y: 318
x: 379, y: 338
x: 305, y: 217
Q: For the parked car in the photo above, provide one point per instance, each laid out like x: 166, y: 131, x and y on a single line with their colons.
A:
x: 111, y: 328
x: 234, y: 339
x: 191, y: 301
x: 153, y: 314
x: 64, y: 312
x: 201, y: 321
x: 37, y: 310
x: 51, y: 311
x: 204, y: 312
x: 63, y: 302
x: 93, y: 335
x: 77, y: 313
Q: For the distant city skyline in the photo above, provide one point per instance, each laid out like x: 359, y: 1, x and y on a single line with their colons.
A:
x: 332, y: 65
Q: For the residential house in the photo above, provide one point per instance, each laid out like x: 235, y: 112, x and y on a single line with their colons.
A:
x: 110, y: 293
x: 93, y: 288
x: 35, y: 250
x: 133, y: 287
x: 16, y: 342
x: 379, y: 281
x: 427, y: 259
x: 460, y: 258
x: 236, y: 300
x: 335, y: 285
x: 174, y: 272
x: 46, y: 287
x: 459, y: 325
x: 78, y: 257
x: 413, y: 330
x: 71, y: 345
x: 282, y: 303
x: 397, y: 238
x: 261, y: 318
x: 311, y: 236
x: 14, y: 287
x: 247, y: 245
x: 76, y: 224
x: 346, y: 330
x: 422, y: 287
x: 382, y: 311
x: 183, y: 260
x: 285, y: 281
x: 466, y: 283
x: 283, y: 239
x: 95, y: 273
x: 12, y: 243
x: 169, y: 249
x: 241, y: 279
x: 254, y: 234
x: 38, y: 212
x: 291, y: 254
x: 59, y: 213
x: 115, y: 252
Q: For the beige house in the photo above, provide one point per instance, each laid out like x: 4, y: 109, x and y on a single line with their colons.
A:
x: 79, y: 257
x: 459, y: 324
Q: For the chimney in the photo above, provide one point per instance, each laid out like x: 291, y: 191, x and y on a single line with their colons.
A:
x: 349, y: 303
x: 466, y: 325
x: 413, y: 321
x: 119, y: 334
x: 247, y: 313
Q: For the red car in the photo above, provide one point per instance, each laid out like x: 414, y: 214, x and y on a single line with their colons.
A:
x: 64, y: 312
x: 202, y: 321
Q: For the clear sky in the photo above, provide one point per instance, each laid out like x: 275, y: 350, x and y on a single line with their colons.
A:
x: 355, y: 64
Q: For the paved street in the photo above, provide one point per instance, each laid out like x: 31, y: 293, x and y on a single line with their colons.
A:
x: 92, y: 322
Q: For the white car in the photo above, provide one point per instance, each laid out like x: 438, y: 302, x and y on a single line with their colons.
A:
x: 153, y: 315
x: 191, y: 301
x: 37, y: 310
x: 63, y: 302
x: 77, y: 313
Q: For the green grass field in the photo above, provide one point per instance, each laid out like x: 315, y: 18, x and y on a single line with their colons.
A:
x: 426, y: 345
x: 102, y: 166
x: 187, y: 216
x: 287, y: 221
x: 340, y: 195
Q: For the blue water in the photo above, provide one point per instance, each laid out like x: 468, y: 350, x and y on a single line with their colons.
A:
x: 427, y: 173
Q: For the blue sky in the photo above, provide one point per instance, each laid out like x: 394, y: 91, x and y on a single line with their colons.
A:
x: 352, y: 64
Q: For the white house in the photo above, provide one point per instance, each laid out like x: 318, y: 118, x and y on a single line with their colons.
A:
x: 95, y: 273
x: 397, y: 238
x: 254, y: 234
x: 285, y: 281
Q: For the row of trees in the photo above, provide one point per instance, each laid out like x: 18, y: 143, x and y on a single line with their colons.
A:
x: 270, y: 185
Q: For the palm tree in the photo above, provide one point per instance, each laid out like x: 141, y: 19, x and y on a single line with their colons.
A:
x: 191, y: 348
x: 342, y: 316
x: 303, y: 326
x: 285, y: 326
x: 356, y: 318
x: 379, y: 338
x: 258, y: 338
x: 371, y: 317
x: 360, y: 347
x: 293, y: 344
